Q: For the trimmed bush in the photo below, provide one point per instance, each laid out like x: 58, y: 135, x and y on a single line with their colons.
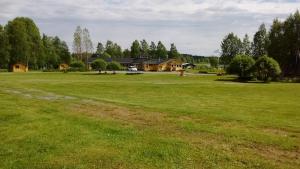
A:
x: 242, y: 65
x: 77, y: 66
x: 113, y: 66
x: 267, y: 69
x: 99, y: 65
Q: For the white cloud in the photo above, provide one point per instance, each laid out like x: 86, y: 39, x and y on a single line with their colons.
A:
x: 196, y: 26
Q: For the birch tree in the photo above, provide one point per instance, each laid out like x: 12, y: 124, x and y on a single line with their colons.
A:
x: 87, y: 44
x: 77, y: 43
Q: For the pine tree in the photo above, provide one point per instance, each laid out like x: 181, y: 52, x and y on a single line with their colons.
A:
x: 161, y: 52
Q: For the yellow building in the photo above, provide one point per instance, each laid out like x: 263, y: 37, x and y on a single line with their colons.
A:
x: 19, y: 68
x: 63, y: 67
x: 159, y: 65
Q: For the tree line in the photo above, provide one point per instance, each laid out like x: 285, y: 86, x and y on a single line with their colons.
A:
x: 83, y: 48
x: 142, y: 49
x: 21, y: 42
x: 281, y: 42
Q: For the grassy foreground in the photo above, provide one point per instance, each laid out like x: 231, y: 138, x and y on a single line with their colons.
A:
x: 75, y: 120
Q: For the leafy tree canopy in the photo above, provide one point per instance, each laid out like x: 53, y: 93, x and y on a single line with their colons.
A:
x: 242, y: 65
x: 231, y: 46
x: 113, y: 66
x: 267, y: 68
x: 99, y: 65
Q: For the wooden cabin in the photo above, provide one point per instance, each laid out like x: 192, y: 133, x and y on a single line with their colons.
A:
x: 63, y: 67
x: 19, y: 68
x: 143, y: 64
x: 173, y: 65
x: 159, y: 65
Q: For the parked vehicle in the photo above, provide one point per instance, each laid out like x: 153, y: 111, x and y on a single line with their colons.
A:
x: 132, y: 69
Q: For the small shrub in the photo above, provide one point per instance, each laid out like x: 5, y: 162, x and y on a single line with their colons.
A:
x: 99, y: 65
x: 267, y: 69
x: 203, y: 68
x: 77, y: 66
x: 242, y: 65
x: 113, y: 66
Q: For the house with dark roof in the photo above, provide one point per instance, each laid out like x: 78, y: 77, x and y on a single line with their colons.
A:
x: 124, y: 62
x: 144, y: 64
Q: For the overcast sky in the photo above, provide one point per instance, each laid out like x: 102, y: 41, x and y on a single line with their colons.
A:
x: 195, y: 26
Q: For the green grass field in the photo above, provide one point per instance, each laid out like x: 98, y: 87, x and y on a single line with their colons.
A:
x: 77, y: 120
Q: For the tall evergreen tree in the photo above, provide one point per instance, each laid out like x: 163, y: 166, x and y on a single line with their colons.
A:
x: 173, y: 52
x: 291, y: 47
x: 145, y: 48
x: 161, y: 52
x: 277, y: 48
x: 152, y: 50
x: 260, y: 42
x: 136, y: 49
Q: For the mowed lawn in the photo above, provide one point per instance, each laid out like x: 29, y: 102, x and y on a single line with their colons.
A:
x: 82, y: 120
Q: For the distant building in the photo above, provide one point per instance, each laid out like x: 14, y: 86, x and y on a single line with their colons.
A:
x: 159, y: 65
x: 144, y: 64
x: 63, y: 67
x: 188, y: 66
x: 124, y: 62
x: 19, y: 68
